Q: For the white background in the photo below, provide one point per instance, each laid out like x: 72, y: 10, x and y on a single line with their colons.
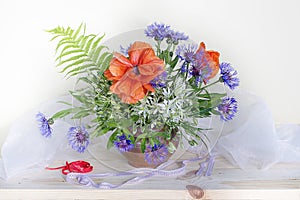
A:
x: 260, y: 39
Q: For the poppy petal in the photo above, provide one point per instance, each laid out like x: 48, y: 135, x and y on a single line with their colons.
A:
x: 149, y: 72
x: 136, y: 50
x: 215, y: 67
x: 119, y: 65
x: 149, y: 87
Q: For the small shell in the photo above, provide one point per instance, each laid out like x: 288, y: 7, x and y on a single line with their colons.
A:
x: 195, y: 191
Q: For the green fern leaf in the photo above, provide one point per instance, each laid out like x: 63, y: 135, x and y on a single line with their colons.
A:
x: 78, y: 69
x: 82, y: 55
x: 95, y: 43
x: 95, y: 53
x: 78, y: 53
x: 68, y: 53
x: 78, y: 31
x: 82, y: 72
x: 73, y: 64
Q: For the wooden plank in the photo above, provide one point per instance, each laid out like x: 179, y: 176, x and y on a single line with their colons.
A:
x: 84, y: 194
x: 282, y: 181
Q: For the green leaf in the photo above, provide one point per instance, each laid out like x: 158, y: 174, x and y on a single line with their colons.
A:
x: 62, y: 113
x: 54, y: 37
x: 215, y: 112
x: 95, y: 43
x: 173, y: 63
x: 63, y: 42
x: 78, y: 97
x: 76, y: 51
x: 81, y: 114
x: 143, y: 145
x: 79, y: 56
x: 81, y: 68
x: 71, y: 46
x: 112, y: 138
x: 88, y: 44
x: 80, y: 72
x: 96, y: 52
x: 112, y: 123
x: 75, y: 63
x: 142, y: 136
x: 67, y: 53
x: 64, y: 102
x: 78, y: 31
x: 105, y: 64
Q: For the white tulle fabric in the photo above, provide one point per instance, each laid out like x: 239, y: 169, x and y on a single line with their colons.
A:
x: 251, y: 140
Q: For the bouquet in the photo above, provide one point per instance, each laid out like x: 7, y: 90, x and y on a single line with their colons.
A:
x: 146, y: 97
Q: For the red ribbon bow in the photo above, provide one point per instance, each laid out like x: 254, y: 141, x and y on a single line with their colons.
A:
x: 76, y: 166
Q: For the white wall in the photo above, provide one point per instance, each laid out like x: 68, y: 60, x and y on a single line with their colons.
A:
x: 261, y: 39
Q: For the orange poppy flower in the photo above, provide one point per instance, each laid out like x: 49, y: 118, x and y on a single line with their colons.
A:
x: 131, y: 76
x: 213, y: 59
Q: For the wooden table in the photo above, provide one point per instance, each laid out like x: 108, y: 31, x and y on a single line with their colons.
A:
x: 282, y: 181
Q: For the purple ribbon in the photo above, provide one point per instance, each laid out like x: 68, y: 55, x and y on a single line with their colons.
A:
x: 206, y: 167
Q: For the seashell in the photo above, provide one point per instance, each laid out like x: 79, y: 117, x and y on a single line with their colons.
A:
x: 195, y: 191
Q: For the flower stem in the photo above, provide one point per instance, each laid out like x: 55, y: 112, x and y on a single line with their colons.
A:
x: 210, y: 84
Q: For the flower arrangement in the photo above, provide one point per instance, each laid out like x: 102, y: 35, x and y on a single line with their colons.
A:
x: 145, y: 96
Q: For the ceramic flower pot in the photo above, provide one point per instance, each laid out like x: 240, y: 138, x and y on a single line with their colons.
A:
x: 153, y: 156
x: 137, y: 159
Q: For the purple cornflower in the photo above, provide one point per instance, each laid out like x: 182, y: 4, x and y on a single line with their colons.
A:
x: 186, y: 52
x: 123, y: 144
x: 156, y: 154
x: 228, y: 75
x: 78, y: 138
x: 175, y: 36
x: 200, y: 60
x: 201, y: 69
x: 227, y: 108
x: 44, y: 124
x: 160, y: 80
x: 157, y: 31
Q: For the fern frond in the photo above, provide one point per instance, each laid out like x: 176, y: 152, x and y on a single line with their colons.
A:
x: 78, y: 53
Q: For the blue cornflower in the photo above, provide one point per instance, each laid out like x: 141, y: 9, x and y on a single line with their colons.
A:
x: 186, y: 52
x: 157, y: 31
x: 78, y: 138
x: 228, y: 75
x: 160, y: 80
x: 184, y: 67
x: 123, y: 144
x: 156, y: 154
x: 200, y: 60
x: 227, y: 108
x: 44, y: 124
x: 201, y: 69
x: 175, y: 36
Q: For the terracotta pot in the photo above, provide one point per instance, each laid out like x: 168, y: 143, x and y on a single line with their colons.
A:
x: 136, y: 158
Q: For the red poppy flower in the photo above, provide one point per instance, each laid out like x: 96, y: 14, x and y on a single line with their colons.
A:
x: 131, y: 76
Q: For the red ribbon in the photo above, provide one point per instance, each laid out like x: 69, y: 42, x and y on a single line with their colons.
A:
x: 76, y: 166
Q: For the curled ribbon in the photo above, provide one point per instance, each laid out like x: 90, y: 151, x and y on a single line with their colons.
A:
x: 76, y: 167
x: 205, y: 169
